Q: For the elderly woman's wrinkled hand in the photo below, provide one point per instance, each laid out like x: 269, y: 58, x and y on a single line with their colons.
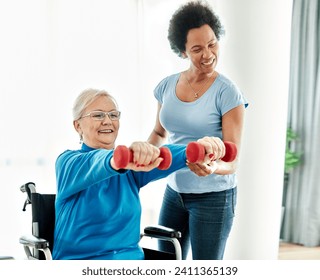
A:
x: 145, y: 156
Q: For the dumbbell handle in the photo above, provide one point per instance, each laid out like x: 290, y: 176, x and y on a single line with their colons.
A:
x: 122, y: 156
x: 196, y: 152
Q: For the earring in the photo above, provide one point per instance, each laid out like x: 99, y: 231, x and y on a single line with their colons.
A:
x: 81, y: 139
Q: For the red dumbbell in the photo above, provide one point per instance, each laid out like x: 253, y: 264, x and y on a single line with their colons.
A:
x: 196, y: 152
x: 123, y: 155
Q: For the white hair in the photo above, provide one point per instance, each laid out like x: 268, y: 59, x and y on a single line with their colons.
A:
x: 85, y: 98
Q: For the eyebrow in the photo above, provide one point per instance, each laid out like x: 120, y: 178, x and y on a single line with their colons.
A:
x: 100, y: 110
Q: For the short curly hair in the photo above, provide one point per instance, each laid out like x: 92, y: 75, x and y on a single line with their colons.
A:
x: 194, y: 14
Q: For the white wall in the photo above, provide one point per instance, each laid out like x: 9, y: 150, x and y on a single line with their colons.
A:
x: 256, y: 55
x: 50, y: 51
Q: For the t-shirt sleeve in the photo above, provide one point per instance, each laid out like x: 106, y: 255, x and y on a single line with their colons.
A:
x: 230, y: 98
x: 160, y: 90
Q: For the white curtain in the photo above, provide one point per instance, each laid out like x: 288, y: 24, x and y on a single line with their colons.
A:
x: 302, y: 211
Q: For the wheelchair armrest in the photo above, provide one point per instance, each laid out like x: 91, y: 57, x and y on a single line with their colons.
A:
x: 162, y: 231
x: 34, y: 242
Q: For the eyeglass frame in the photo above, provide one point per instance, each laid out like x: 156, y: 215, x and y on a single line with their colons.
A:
x: 105, y: 114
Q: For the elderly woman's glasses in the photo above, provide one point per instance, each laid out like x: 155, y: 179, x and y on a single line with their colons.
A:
x: 100, y: 115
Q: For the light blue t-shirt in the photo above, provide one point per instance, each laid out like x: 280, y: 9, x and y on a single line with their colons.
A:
x: 189, y: 121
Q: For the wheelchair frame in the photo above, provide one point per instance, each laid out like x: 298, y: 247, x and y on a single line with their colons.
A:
x: 34, y: 244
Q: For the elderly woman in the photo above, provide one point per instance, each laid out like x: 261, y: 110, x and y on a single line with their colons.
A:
x: 97, y: 204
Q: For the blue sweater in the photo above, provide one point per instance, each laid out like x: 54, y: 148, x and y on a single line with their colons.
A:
x: 98, y: 208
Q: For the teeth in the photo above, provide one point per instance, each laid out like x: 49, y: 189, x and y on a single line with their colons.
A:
x: 106, y: 131
x: 208, y: 63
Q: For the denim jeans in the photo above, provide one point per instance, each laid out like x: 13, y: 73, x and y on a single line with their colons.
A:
x: 204, y: 220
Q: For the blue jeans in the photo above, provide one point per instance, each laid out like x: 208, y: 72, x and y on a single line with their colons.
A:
x: 204, y: 220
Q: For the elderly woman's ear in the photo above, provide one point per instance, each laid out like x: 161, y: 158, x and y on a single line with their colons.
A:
x: 77, y: 127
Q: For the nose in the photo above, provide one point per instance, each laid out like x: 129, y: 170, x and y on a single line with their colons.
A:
x: 107, y: 121
x: 206, y: 53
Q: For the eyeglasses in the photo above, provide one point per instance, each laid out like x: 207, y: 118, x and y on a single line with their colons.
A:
x: 100, y: 115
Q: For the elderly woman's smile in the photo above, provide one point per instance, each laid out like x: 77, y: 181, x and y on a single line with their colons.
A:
x: 98, y: 126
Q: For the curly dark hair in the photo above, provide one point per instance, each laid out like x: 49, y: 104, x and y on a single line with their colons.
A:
x: 191, y: 15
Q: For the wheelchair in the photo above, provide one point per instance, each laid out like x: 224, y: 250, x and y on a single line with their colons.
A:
x: 39, y: 244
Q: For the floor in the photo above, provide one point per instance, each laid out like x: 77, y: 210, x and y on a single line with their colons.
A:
x: 288, y: 251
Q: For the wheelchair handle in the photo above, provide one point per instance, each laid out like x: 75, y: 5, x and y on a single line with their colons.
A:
x: 28, y: 188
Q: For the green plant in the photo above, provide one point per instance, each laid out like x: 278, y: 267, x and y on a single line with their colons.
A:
x: 292, y: 158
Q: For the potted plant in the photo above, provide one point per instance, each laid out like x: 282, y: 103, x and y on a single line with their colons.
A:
x: 292, y: 160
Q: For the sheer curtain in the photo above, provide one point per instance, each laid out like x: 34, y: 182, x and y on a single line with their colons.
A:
x: 302, y: 214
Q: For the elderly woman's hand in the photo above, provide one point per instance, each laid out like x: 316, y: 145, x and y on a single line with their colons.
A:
x: 145, y: 157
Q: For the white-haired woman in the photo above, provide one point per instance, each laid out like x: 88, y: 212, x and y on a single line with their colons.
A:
x: 97, y: 204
